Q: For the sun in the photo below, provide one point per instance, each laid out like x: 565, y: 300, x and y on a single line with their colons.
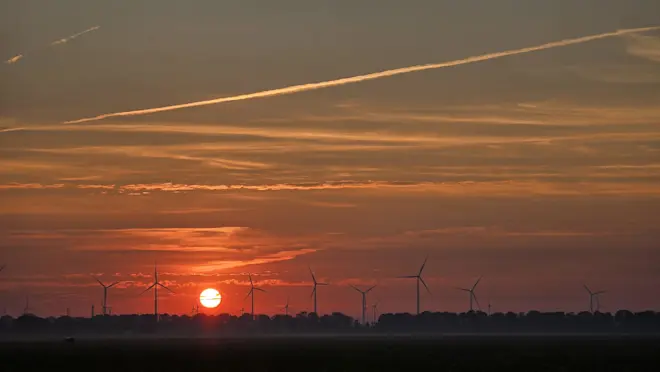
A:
x: 210, y: 298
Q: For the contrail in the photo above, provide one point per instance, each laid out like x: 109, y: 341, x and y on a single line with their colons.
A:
x: 14, y: 59
x: 56, y: 42
x: 376, y: 75
x: 66, y: 39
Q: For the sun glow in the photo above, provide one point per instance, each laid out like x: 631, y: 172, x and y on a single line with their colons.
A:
x: 210, y: 298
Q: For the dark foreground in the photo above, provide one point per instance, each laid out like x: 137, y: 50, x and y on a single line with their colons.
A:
x: 338, y: 354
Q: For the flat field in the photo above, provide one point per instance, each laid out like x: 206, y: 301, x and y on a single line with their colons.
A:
x: 320, y: 354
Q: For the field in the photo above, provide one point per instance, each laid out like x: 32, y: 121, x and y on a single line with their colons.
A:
x: 320, y: 354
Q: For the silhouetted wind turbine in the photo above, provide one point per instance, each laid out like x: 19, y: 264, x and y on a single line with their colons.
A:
x: 251, y: 292
x: 374, y: 307
x: 419, y: 279
x: 591, y: 297
x: 364, y: 301
x: 286, y: 307
x: 105, y: 294
x: 155, y: 287
x: 472, y: 295
x: 26, y: 309
x: 314, y: 290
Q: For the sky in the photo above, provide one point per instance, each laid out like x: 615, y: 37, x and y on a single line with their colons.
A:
x: 538, y: 171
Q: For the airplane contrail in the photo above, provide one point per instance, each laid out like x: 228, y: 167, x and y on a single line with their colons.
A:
x: 66, y: 39
x: 14, y: 59
x: 359, y: 78
x: 56, y: 42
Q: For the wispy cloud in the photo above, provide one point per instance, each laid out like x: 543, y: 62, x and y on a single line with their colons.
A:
x: 498, y: 231
x: 372, y: 76
x: 275, y: 257
x: 30, y: 186
x: 647, y: 47
x: 508, y: 188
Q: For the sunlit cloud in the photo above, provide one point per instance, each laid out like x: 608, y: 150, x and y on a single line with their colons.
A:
x: 619, y: 74
x: 647, y: 47
x: 275, y: 257
x: 509, y: 188
x: 28, y: 186
x: 498, y: 231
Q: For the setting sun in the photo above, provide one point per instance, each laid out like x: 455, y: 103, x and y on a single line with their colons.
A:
x: 210, y: 298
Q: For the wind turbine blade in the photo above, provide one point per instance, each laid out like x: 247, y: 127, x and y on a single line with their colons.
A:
x: 407, y: 277
x: 248, y: 294
x: 462, y: 289
x: 372, y: 287
x: 322, y: 283
x: 354, y: 287
x: 114, y: 284
x: 475, y: 300
x: 475, y: 284
x: 165, y: 287
x: 587, y: 288
x: 250, y: 276
x: 311, y: 272
x: 313, y: 291
x: 151, y: 286
x: 423, y: 264
x: 100, y: 282
x: 259, y: 289
x: 425, y: 286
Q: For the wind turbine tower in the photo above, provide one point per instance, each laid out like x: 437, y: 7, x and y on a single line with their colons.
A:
x: 472, y: 295
x: 26, y: 309
x: 286, y: 307
x: 314, y: 290
x: 105, y: 294
x: 155, y: 286
x: 364, y: 301
x: 251, y: 292
x: 593, y: 295
x: 419, y: 279
x: 374, y: 308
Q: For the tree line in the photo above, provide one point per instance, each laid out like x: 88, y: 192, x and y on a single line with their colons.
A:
x: 622, y: 321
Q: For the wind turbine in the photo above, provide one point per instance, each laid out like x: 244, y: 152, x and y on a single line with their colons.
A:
x: 591, y: 297
x: 364, y: 301
x: 251, y: 293
x: 286, y: 307
x: 472, y: 295
x: 26, y: 309
x: 105, y: 294
x: 155, y: 287
x: 314, y: 290
x: 419, y: 279
x: 374, y: 307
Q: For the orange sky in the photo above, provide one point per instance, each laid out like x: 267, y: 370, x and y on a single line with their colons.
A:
x: 538, y: 172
